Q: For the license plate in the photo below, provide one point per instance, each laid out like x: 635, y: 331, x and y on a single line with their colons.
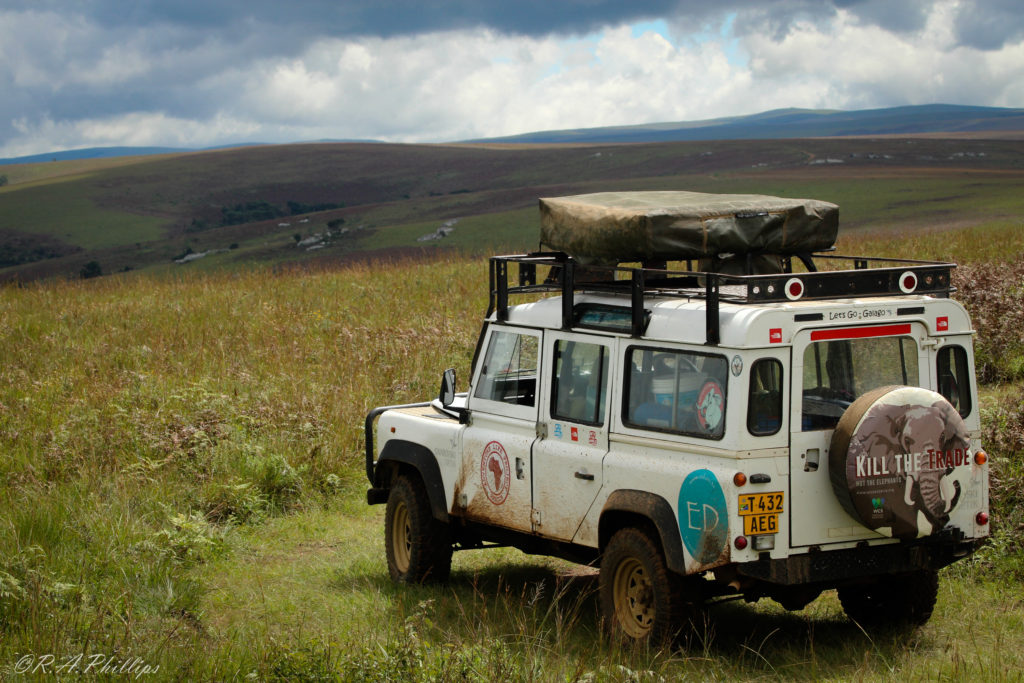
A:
x: 760, y: 512
x: 754, y: 525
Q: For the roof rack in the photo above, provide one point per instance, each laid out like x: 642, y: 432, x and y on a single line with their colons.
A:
x: 869, y: 277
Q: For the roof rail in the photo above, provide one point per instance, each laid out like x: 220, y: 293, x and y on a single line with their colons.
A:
x: 869, y: 276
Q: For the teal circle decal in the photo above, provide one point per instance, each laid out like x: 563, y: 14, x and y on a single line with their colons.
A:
x: 703, y: 516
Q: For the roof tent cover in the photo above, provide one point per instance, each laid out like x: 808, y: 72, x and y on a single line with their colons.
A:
x: 615, y: 227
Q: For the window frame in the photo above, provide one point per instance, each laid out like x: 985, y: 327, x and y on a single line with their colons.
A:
x: 627, y: 373
x: 781, y: 402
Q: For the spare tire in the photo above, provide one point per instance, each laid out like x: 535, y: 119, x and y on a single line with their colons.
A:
x: 890, y: 456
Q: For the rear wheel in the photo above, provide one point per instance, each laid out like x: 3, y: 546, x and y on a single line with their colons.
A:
x: 641, y: 600
x: 904, y: 600
x: 418, y: 546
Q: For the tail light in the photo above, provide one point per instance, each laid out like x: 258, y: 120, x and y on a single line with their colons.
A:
x: 908, y: 282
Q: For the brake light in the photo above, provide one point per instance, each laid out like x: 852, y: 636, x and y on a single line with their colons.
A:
x: 981, y: 518
x: 740, y: 543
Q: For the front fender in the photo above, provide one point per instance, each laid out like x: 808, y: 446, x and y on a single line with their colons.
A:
x: 399, y: 452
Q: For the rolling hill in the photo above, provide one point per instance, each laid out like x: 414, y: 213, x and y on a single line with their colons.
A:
x: 328, y: 202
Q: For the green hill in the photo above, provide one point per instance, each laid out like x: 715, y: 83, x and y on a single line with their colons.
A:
x: 345, y: 201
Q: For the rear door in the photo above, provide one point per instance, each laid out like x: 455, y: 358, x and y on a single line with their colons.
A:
x: 567, y: 460
x: 831, y: 368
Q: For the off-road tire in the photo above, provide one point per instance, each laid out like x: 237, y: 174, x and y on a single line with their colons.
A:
x: 419, y: 548
x: 892, y: 601
x: 641, y: 600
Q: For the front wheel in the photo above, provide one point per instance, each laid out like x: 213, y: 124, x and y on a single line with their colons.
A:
x: 904, y: 600
x: 419, y: 548
x: 640, y: 598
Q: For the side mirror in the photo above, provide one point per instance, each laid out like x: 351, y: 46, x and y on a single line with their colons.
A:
x: 447, y: 394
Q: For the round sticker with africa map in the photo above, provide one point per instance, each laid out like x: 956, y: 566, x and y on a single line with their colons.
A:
x: 495, y: 474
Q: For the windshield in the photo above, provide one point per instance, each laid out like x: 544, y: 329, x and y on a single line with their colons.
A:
x: 836, y: 372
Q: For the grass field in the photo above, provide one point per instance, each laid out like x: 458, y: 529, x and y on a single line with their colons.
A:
x: 183, y: 483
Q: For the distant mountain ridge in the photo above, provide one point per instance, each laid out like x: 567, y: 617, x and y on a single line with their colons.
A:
x: 796, y: 123
x: 769, y: 125
x: 93, y: 153
x: 111, y: 152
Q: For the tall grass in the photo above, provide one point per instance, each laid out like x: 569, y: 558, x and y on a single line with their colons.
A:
x: 182, y: 481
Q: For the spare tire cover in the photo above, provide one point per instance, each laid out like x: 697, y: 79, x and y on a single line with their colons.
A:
x: 890, y: 456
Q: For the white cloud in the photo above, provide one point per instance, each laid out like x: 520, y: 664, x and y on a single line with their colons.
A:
x: 847, y: 64
x: 136, y: 129
x: 71, y: 82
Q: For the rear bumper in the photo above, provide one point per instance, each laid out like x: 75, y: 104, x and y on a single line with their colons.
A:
x: 839, y: 566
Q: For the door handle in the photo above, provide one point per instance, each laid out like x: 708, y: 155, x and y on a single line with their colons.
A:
x: 585, y: 476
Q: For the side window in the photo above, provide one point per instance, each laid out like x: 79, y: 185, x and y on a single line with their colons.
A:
x: 764, y: 404
x: 954, y: 380
x: 676, y: 391
x: 509, y: 373
x: 580, y: 382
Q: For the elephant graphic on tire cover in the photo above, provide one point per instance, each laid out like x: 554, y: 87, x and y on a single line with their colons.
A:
x: 914, y: 435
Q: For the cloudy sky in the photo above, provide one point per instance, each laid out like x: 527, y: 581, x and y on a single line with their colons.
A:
x: 197, y: 73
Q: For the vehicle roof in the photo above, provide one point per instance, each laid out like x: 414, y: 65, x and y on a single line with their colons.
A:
x: 682, y: 319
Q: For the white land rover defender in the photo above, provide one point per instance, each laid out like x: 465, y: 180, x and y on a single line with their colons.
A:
x: 738, y: 428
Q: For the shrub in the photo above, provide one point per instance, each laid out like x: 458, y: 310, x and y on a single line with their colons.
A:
x: 1003, y: 438
x: 276, y: 480
x: 189, y: 539
x: 994, y: 296
x: 90, y: 270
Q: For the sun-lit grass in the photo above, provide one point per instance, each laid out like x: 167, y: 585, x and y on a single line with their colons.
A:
x: 183, y: 480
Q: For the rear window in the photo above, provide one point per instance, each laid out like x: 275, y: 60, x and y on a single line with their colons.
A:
x: 681, y: 392
x: 837, y: 371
